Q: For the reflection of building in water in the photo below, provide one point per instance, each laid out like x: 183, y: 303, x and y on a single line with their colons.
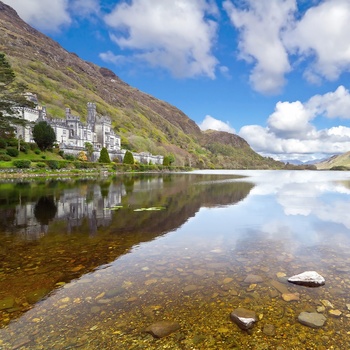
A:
x: 92, y: 206
x: 148, y: 184
x: 26, y: 224
x: 73, y: 206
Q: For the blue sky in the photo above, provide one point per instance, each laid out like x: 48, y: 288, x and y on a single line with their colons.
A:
x: 275, y: 72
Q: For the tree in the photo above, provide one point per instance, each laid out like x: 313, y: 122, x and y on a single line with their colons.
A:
x: 11, y: 96
x: 171, y: 158
x: 128, y: 158
x: 44, y: 135
x: 166, y: 161
x: 89, y: 150
x: 82, y: 156
x: 104, y: 156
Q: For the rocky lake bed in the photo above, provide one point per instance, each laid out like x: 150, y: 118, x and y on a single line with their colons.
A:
x: 244, y: 284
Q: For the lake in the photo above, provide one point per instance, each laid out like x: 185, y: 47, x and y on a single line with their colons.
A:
x: 93, y: 263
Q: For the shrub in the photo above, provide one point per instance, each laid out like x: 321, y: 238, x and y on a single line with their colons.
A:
x: 12, y: 142
x: 43, y: 157
x: 85, y: 165
x: 128, y: 158
x: 37, y: 151
x: 13, y: 152
x: 5, y: 157
x: 40, y: 165
x: 33, y: 146
x: 21, y: 163
x: 3, y: 143
x: 104, y: 156
x: 61, y: 153
x: 53, y: 164
x: 69, y: 157
x: 24, y: 148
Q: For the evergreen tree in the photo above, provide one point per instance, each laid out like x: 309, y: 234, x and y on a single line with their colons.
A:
x: 104, y: 156
x: 11, y: 95
x: 166, y: 161
x: 128, y: 158
x: 44, y: 135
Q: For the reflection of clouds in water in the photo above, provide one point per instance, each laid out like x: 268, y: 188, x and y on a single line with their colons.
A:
x: 291, y: 207
x: 336, y: 211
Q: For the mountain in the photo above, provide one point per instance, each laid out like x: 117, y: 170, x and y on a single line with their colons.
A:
x: 340, y: 162
x: 61, y: 79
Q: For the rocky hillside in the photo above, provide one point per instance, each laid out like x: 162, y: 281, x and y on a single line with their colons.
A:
x: 339, y: 162
x: 61, y: 79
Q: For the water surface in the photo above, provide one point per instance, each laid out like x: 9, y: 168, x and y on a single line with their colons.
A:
x: 80, y: 268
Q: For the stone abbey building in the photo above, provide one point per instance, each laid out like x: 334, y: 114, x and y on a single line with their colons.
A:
x: 72, y: 133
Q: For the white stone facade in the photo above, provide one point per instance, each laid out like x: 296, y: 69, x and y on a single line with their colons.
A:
x: 72, y: 133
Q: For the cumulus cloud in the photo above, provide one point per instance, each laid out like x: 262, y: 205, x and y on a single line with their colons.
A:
x: 261, y: 24
x: 290, y: 130
x: 48, y: 15
x: 332, y: 104
x: 175, y: 35
x: 322, y: 34
x: 51, y: 15
x: 210, y: 123
x: 275, y: 38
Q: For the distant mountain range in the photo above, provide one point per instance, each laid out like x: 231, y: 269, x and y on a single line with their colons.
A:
x: 61, y: 79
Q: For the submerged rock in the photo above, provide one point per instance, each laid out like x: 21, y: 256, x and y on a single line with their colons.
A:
x: 250, y: 279
x: 312, y: 319
x: 308, y: 279
x: 244, y: 318
x: 290, y: 296
x: 7, y: 303
x: 162, y: 329
x: 269, y: 329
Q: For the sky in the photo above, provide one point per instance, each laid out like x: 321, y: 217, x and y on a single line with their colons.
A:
x: 275, y: 72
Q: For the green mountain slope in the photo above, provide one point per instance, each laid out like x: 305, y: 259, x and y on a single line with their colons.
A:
x: 61, y: 79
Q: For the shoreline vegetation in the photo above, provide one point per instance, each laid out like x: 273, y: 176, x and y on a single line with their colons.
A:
x: 13, y: 173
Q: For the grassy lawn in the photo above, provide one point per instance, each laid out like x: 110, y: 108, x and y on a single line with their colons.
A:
x: 32, y: 156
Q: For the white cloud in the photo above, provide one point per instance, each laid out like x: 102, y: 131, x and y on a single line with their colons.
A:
x: 261, y: 24
x: 271, y: 36
x: 290, y: 119
x: 323, y: 34
x: 290, y: 131
x: 110, y: 57
x: 48, y: 15
x: 84, y: 8
x: 332, y: 105
x: 177, y: 35
x: 210, y: 123
x: 51, y: 15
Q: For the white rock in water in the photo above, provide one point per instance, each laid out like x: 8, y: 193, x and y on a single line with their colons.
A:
x: 244, y: 318
x: 308, y: 278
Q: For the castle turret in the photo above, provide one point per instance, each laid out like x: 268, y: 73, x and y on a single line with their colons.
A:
x: 91, y: 109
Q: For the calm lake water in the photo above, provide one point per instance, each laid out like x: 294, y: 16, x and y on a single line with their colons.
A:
x: 84, y: 265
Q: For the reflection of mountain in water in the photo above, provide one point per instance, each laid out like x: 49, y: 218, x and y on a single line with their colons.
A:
x: 57, y: 231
